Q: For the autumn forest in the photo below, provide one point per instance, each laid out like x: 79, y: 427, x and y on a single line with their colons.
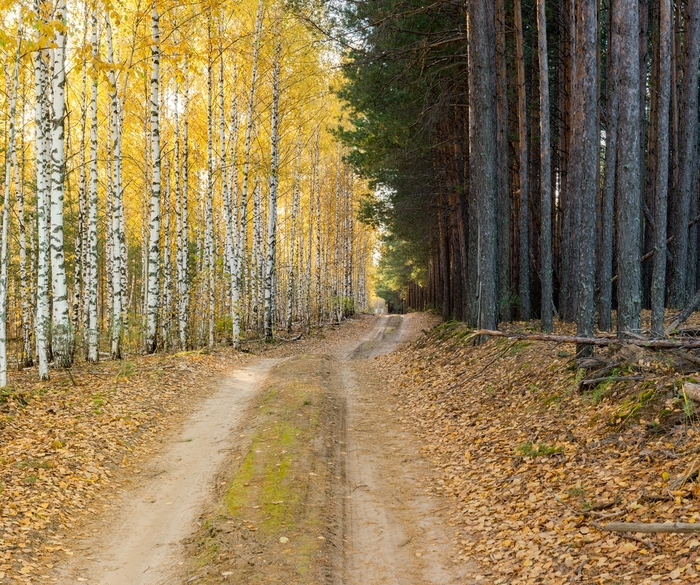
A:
x: 171, y: 180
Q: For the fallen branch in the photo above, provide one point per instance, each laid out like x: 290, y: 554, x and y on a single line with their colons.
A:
x: 297, y: 338
x: 655, y: 498
x: 594, y: 381
x: 687, y: 356
x: 692, y: 343
x: 650, y: 545
x: 689, y: 475
x: 684, y: 314
x: 601, y: 506
x: 666, y: 528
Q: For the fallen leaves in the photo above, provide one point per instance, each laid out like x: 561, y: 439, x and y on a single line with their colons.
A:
x: 65, y: 444
x: 534, y: 464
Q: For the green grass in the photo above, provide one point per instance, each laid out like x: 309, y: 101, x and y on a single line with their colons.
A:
x: 529, y: 449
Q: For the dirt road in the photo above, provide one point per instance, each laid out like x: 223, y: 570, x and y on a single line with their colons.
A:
x: 381, y: 526
x: 393, y: 531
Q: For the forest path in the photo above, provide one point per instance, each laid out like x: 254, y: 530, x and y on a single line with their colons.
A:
x: 141, y: 544
x: 384, y: 528
x: 393, y: 532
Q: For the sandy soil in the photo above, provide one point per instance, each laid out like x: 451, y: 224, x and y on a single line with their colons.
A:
x: 387, y: 528
x: 394, y: 533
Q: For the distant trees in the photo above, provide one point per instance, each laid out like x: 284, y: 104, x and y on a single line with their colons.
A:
x: 596, y: 153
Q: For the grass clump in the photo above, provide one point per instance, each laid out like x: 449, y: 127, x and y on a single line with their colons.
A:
x: 529, y: 449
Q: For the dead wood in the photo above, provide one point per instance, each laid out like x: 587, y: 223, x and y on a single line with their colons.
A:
x: 666, y: 528
x: 296, y: 338
x: 687, y: 356
x: 655, y: 498
x: 594, y: 381
x: 684, y: 314
x: 601, y: 506
x: 690, y: 475
x: 691, y: 343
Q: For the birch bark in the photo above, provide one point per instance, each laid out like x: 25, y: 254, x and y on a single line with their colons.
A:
x: 242, y: 228
x: 154, y: 224
x: 5, y: 214
x: 272, y: 217
x: 61, y: 332
x: 92, y: 259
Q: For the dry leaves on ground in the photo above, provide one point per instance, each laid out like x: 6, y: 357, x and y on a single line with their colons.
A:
x: 537, y: 466
x: 65, y: 445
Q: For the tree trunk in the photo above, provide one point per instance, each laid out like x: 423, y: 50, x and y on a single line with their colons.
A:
x: 482, y: 150
x: 116, y: 257
x: 503, y: 194
x: 629, y: 172
x: 687, y: 161
x: 12, y: 97
x: 545, y: 173
x: 607, y: 208
x: 209, y: 205
x: 523, y: 171
x: 154, y: 223
x: 61, y: 331
x: 272, y: 218
x: 658, y: 279
x: 92, y: 257
x: 586, y: 132
x: 242, y: 229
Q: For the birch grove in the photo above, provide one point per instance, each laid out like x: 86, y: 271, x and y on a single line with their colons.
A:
x: 150, y: 210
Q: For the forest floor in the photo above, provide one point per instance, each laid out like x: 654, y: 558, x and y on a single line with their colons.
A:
x: 349, y: 458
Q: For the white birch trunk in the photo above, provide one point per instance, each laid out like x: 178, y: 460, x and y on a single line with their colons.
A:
x: 209, y: 205
x: 61, y: 332
x: 181, y: 252
x: 115, y: 228
x: 183, y: 235
x: 293, y: 235
x: 166, y: 318
x: 43, y: 138
x: 319, y: 291
x: 22, y: 233
x: 242, y: 229
x: 6, y: 217
x: 272, y: 219
x: 154, y: 227
x: 91, y: 271
x: 225, y: 171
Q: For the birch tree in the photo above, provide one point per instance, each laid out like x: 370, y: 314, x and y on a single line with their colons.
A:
x: 243, y: 206
x: 116, y: 207
x: 5, y: 212
x: 154, y: 224
x: 43, y: 138
x: 293, y: 235
x: 92, y: 256
x: 61, y: 332
x: 272, y: 214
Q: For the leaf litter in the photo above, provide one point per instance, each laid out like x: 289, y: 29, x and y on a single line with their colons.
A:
x: 537, y: 466
x: 68, y: 445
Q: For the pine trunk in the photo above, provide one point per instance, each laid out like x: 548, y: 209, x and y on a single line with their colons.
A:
x: 545, y: 173
x: 629, y: 172
x: 658, y: 278
x: 483, y: 156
